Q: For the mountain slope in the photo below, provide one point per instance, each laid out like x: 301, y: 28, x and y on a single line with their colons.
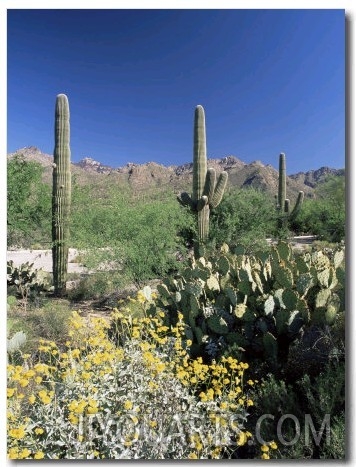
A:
x: 150, y: 177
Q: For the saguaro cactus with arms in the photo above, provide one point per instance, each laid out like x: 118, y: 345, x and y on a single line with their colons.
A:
x: 283, y: 203
x: 207, y: 193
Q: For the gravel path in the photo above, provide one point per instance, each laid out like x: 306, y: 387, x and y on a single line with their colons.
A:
x: 42, y: 259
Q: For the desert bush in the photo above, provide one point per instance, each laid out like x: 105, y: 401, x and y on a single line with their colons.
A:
x: 325, y: 216
x: 50, y: 321
x: 144, y: 399
x: 97, y: 285
x: 26, y: 282
x: 245, y: 217
x: 317, y: 402
x: 28, y: 204
x: 140, y: 240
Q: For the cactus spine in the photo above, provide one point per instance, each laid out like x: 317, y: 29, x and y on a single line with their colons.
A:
x: 61, y: 194
x: 283, y: 203
x: 207, y: 194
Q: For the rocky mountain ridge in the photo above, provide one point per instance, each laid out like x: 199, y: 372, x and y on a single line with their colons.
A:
x: 154, y: 176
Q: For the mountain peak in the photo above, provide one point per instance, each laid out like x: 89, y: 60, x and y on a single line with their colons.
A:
x: 88, y: 163
x: 154, y: 176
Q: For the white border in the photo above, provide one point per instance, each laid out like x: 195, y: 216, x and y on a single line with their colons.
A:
x: 169, y: 4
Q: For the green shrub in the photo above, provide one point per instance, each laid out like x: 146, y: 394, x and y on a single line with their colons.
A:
x: 48, y: 322
x: 325, y: 216
x: 310, y: 401
x: 28, y: 204
x: 11, y: 302
x: 97, y: 286
x: 244, y: 217
x: 51, y: 321
x: 140, y: 240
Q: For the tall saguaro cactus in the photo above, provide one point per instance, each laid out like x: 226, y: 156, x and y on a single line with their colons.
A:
x: 283, y: 203
x: 207, y: 193
x: 61, y: 194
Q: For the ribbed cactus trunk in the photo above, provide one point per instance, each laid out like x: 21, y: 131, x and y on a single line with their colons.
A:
x: 282, y: 185
x: 206, y: 194
x: 199, y: 173
x: 61, y: 195
x: 283, y: 203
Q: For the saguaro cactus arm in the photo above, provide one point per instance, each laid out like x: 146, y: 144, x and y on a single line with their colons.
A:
x: 186, y: 200
x: 219, y: 190
x: 298, y: 205
x: 210, y: 181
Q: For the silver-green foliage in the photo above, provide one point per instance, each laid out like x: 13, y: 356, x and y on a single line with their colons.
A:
x: 16, y: 342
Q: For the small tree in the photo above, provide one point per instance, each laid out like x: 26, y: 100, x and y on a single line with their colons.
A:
x: 28, y: 203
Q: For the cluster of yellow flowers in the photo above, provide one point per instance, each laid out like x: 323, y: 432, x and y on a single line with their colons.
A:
x: 89, y: 355
x: 265, y: 448
x: 90, y: 359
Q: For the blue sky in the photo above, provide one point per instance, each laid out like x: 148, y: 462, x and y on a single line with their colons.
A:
x: 270, y: 81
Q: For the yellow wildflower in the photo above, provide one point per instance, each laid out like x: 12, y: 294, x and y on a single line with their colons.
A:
x: 128, y: 405
x: 13, y: 453
x: 73, y: 419
x: 24, y: 453
x: 134, y: 419
x: 23, y: 382
x: 141, y: 297
x: 242, y: 439
x: 17, y: 433
x: 215, y: 454
x: 39, y: 455
x: 75, y: 353
x: 32, y: 399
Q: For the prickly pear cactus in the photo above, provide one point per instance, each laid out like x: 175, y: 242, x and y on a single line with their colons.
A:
x: 61, y: 195
x: 207, y: 192
x: 260, y: 303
